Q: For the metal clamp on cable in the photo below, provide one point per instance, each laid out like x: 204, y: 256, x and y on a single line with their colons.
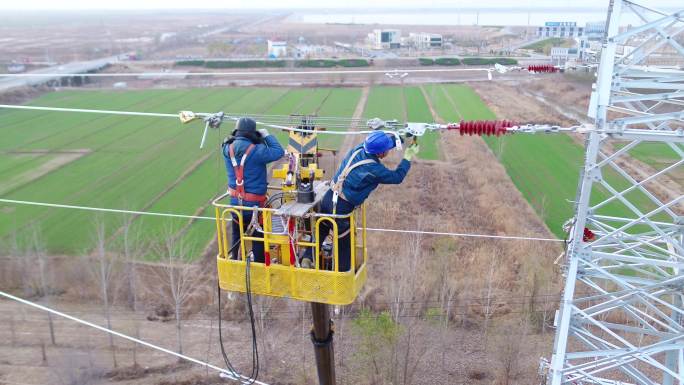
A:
x: 212, y: 121
x: 327, y: 341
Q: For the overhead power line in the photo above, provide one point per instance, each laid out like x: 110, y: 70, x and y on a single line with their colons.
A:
x: 107, y: 112
x: 278, y: 125
x: 229, y: 374
x: 199, y: 217
x: 244, y: 73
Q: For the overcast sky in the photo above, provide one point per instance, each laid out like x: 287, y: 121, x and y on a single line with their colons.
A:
x: 246, y: 4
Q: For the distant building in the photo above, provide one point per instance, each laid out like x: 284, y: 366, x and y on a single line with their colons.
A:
x: 310, y: 50
x: 562, y: 55
x: 385, y: 38
x: 625, y: 50
x: 424, y: 40
x: 595, y: 30
x: 559, y: 54
x: 16, y: 68
x: 277, y: 49
x: 562, y: 29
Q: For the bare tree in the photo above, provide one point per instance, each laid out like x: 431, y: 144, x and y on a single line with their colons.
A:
x: 102, y: 271
x: 179, y: 279
x: 404, y: 352
x: 38, y: 252
x: 490, y: 289
x: 13, y: 330
x: 403, y: 270
x: 447, y: 293
x: 130, y: 246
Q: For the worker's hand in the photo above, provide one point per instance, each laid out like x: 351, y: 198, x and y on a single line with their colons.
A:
x: 411, y: 151
x: 263, y: 132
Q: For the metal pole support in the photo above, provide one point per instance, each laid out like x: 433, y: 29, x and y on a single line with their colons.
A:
x: 322, y: 339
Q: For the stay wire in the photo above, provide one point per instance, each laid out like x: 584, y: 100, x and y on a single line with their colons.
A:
x: 234, y: 376
x: 173, y: 215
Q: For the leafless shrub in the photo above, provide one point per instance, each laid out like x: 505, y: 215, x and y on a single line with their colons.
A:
x: 477, y: 374
x: 507, y: 346
x: 74, y: 369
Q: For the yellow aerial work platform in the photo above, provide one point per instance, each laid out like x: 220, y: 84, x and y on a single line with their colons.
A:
x: 287, y: 231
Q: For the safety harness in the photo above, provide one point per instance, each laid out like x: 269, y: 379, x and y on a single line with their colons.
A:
x: 239, y: 169
x: 339, y: 183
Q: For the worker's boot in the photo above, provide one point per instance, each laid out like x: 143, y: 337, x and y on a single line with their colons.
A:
x: 306, y: 263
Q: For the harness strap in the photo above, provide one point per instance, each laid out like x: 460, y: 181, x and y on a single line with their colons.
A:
x: 249, y: 197
x: 339, y: 184
x: 239, y: 169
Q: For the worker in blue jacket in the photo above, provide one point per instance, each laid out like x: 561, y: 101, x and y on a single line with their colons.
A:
x: 246, y: 153
x: 359, y: 174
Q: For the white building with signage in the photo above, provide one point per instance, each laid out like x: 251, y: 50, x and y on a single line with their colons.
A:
x: 424, y: 40
x: 385, y: 38
x: 595, y: 30
x: 562, y: 55
x: 561, y: 29
x: 277, y: 49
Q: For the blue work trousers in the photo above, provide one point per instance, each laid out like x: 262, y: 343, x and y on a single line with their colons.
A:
x: 325, y: 228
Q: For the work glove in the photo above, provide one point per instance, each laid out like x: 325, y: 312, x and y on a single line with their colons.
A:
x: 411, y: 151
x: 263, y: 132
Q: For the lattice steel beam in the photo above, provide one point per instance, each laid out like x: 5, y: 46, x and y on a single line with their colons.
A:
x: 621, y: 317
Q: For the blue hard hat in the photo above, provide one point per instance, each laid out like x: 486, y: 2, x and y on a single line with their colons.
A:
x: 378, y: 142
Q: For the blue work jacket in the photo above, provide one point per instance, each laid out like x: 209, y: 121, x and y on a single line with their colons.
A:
x: 362, y: 180
x: 255, y: 173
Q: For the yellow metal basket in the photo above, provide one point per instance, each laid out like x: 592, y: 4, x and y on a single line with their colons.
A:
x: 280, y: 278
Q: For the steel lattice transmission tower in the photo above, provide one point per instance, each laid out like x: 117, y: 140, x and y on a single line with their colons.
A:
x: 620, y: 319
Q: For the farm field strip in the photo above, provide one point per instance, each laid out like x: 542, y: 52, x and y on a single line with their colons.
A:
x: 385, y: 102
x: 544, y: 168
x: 26, y: 131
x: 130, y: 161
x: 403, y: 104
x: 115, y: 180
x: 659, y: 156
x: 417, y: 110
x: 78, y: 129
x: 133, y: 159
x: 340, y: 103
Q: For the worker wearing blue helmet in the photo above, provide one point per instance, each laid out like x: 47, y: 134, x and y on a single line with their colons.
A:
x: 358, y: 175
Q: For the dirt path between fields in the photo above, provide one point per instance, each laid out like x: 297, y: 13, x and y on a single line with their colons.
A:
x: 453, y: 104
x: 434, y: 113
x: 352, y: 140
x: 436, y: 118
x: 329, y: 164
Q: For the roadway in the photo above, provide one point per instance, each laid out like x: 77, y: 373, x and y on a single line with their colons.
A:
x: 68, y: 68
